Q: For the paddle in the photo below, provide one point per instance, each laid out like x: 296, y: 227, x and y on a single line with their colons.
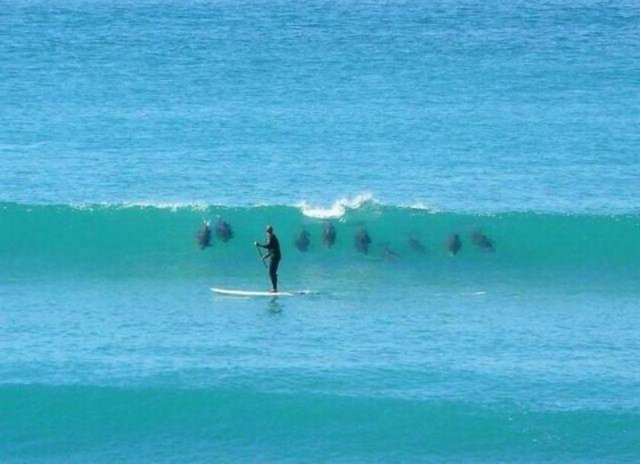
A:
x: 260, y: 253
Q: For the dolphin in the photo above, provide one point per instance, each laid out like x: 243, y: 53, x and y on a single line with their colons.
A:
x: 453, y: 244
x: 302, y: 241
x: 223, y: 230
x: 362, y: 241
x: 482, y: 241
x: 416, y: 245
x: 388, y: 254
x: 204, y: 236
x: 329, y: 235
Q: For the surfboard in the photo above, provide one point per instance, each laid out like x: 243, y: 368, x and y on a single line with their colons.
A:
x: 246, y: 293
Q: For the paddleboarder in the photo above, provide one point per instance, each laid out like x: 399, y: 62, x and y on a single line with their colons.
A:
x: 273, y: 253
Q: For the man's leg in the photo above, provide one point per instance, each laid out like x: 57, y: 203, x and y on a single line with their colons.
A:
x: 273, y: 273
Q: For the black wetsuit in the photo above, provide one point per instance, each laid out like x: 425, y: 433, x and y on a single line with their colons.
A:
x: 273, y: 246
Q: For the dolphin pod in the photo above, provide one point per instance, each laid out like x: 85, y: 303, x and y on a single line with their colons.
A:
x: 362, y: 240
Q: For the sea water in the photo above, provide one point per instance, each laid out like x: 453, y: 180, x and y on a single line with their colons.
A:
x: 125, y: 125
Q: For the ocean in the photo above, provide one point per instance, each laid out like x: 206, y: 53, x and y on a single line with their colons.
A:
x: 477, y: 162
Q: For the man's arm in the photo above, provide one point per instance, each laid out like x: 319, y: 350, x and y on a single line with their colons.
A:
x: 266, y: 245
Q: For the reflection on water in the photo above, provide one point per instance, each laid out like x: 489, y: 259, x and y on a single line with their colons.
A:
x: 274, y: 305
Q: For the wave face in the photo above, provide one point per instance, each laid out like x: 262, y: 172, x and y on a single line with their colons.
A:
x: 153, y: 240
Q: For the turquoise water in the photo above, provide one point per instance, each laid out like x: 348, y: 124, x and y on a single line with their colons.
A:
x: 123, y: 126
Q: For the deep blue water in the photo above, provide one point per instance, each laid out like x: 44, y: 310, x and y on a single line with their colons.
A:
x: 470, y: 106
x: 124, y: 125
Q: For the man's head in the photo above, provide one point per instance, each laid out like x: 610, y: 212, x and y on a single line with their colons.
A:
x: 269, y: 229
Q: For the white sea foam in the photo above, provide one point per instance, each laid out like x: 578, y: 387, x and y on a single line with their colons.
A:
x: 420, y: 206
x: 338, y: 208
x: 173, y: 205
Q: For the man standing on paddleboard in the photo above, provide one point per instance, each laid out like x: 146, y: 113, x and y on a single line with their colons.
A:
x: 273, y: 248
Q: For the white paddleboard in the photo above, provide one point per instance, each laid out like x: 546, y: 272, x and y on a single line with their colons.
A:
x: 245, y: 293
